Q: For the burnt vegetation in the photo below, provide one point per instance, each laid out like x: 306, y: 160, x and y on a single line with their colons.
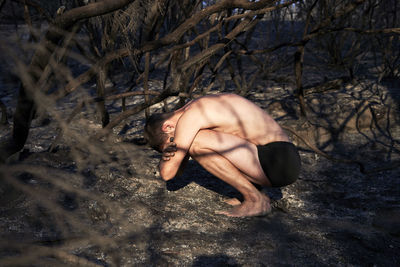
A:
x: 76, y: 72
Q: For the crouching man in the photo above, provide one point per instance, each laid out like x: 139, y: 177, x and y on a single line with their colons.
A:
x: 234, y: 140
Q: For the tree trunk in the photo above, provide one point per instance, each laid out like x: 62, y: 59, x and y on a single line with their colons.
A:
x: 26, y: 106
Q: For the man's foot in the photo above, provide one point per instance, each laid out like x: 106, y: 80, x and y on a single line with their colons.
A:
x: 250, y: 208
x: 233, y: 201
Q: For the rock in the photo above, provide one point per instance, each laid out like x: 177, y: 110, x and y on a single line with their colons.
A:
x: 368, y: 117
x: 276, y: 109
x: 360, y: 120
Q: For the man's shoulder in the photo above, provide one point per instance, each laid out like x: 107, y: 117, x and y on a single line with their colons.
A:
x: 215, y: 98
x: 212, y: 105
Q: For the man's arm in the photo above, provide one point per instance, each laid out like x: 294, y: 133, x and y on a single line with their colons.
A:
x: 185, y: 131
x: 183, y: 165
x: 169, y: 152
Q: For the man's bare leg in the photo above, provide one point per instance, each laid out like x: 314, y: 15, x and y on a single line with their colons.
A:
x: 235, y: 201
x: 235, y: 161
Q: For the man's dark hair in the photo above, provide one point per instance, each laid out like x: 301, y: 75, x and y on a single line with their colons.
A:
x: 153, y: 130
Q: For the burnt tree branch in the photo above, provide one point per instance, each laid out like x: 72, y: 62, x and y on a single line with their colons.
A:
x: 26, y: 107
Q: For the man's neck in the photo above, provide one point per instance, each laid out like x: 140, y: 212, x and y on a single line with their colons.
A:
x: 176, y: 115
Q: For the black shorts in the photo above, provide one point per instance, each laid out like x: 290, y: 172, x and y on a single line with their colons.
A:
x: 280, y: 162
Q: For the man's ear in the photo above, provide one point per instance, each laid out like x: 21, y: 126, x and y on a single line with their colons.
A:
x: 168, y: 126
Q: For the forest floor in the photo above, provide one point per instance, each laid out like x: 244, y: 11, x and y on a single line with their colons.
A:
x: 103, y: 203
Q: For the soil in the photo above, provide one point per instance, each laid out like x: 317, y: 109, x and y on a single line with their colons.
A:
x: 102, y: 203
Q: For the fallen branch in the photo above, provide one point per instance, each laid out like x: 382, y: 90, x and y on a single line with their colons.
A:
x: 334, y: 84
x: 360, y: 164
x: 127, y: 94
x: 375, y: 31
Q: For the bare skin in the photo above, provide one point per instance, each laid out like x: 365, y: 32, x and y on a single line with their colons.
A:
x: 221, y: 133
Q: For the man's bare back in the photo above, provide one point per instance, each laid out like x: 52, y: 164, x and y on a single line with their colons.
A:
x: 232, y: 114
x: 226, y: 134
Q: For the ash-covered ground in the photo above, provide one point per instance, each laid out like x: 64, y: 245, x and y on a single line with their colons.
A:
x: 91, y: 202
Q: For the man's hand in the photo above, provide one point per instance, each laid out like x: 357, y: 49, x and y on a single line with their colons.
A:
x: 169, y: 150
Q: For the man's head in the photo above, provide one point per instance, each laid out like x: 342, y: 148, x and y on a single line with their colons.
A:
x: 158, y: 129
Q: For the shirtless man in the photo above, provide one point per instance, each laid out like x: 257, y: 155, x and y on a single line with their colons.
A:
x: 234, y: 140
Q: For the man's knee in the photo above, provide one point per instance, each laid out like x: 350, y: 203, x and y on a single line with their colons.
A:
x: 201, y: 143
x: 196, y: 149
